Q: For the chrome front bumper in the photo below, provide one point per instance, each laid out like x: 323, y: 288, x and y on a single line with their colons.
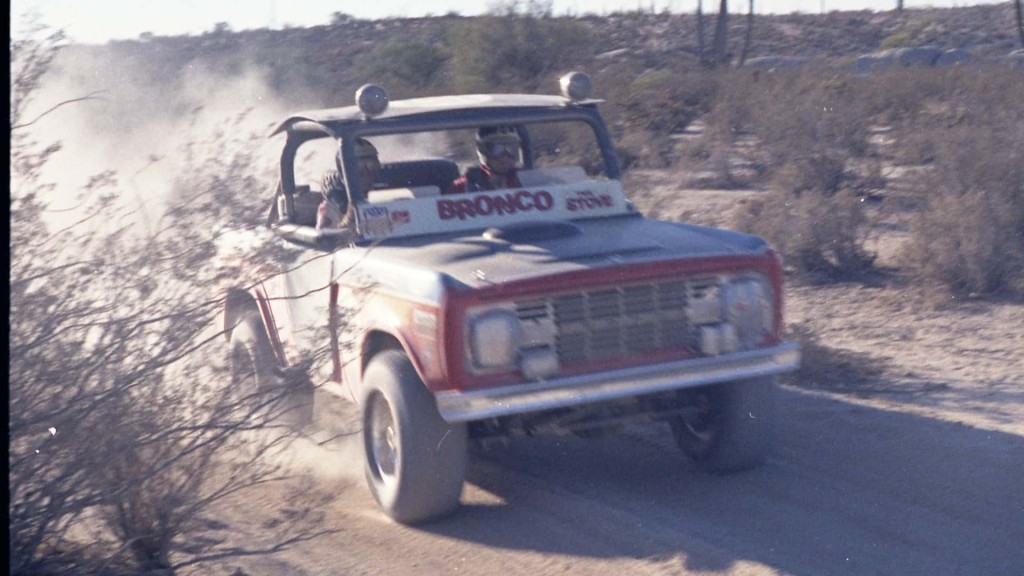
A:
x: 611, y: 385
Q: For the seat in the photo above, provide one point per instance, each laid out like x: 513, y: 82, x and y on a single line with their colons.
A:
x: 551, y: 175
x: 439, y: 172
x: 306, y: 204
x: 391, y: 194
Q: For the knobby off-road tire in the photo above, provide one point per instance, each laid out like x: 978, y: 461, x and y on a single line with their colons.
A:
x: 734, y: 428
x: 415, y: 461
x: 254, y: 378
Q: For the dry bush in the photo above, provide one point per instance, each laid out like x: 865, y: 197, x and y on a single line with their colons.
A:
x: 821, y: 235
x: 404, y: 66
x: 664, y: 101
x: 912, y: 102
x: 810, y: 123
x: 521, y: 49
x: 969, y: 235
x: 121, y: 435
x: 809, y: 126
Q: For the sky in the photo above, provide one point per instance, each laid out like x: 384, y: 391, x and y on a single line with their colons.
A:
x: 97, y: 21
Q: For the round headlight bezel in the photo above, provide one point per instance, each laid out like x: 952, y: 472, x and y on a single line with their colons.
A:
x: 747, y: 306
x: 494, y: 337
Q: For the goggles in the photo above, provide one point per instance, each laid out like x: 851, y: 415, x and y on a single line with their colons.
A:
x: 495, y: 149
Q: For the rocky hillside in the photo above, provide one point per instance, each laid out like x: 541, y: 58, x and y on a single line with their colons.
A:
x: 322, y: 57
x: 988, y: 30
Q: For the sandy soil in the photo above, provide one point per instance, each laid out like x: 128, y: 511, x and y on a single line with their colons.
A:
x: 901, y: 453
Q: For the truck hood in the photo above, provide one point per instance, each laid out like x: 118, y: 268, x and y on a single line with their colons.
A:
x: 528, y: 250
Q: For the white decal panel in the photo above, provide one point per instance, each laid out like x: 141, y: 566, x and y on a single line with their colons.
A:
x: 472, y: 211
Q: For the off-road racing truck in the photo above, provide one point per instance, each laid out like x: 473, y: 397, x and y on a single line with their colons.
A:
x: 554, y: 306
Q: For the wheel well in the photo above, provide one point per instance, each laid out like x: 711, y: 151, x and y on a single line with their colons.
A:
x: 236, y: 304
x: 376, y: 343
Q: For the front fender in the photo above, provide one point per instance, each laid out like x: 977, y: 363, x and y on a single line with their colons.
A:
x: 411, y: 328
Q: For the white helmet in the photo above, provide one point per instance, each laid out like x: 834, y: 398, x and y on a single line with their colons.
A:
x: 494, y: 141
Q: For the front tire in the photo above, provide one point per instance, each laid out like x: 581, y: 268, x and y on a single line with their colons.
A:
x: 733, y: 427
x: 415, y: 461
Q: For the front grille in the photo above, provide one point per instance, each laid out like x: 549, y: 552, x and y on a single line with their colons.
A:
x: 613, y: 323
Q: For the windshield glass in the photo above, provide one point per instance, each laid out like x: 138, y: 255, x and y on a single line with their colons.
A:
x: 569, y: 145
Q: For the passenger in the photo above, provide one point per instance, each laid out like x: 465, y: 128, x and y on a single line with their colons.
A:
x: 498, y: 149
x: 334, y: 211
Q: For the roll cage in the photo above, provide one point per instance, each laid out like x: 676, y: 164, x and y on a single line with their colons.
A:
x: 345, y: 126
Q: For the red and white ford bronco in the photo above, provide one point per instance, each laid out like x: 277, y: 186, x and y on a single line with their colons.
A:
x: 551, y: 306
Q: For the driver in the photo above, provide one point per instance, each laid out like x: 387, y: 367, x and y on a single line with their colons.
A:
x: 498, y: 149
x: 334, y: 211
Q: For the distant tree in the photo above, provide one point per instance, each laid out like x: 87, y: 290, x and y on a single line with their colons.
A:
x: 341, y: 19
x: 719, y: 43
x: 747, y: 35
x: 700, y: 32
x: 1020, y: 20
x: 534, y: 8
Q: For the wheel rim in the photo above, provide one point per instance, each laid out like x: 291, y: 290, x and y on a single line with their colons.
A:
x: 383, y: 438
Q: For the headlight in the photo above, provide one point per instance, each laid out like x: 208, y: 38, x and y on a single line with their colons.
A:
x: 494, y: 338
x: 747, y: 304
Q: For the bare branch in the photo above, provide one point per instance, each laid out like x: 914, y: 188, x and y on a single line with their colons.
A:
x: 55, y: 107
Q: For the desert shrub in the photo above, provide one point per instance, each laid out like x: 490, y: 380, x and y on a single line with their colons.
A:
x: 664, y: 101
x: 516, y: 51
x: 912, y: 102
x: 802, y: 127
x: 967, y: 243
x: 969, y: 236
x: 402, y: 65
x: 656, y: 105
x: 732, y: 115
x: 899, y: 95
x: 914, y: 32
x: 120, y: 436
x: 821, y: 235
x: 809, y: 125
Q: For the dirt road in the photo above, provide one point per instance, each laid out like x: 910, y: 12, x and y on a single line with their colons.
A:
x: 850, y: 489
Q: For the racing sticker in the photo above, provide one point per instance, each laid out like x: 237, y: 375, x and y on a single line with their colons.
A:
x: 376, y: 222
x: 399, y: 218
x: 498, y: 204
x: 586, y: 200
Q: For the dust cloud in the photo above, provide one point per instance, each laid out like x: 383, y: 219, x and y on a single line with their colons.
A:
x: 144, y: 132
x: 329, y: 458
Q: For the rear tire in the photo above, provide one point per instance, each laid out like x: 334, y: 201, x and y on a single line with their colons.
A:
x: 415, y: 461
x: 254, y: 376
x: 252, y: 358
x: 734, y: 427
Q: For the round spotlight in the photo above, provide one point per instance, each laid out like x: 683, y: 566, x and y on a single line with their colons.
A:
x: 371, y: 99
x: 576, y: 86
